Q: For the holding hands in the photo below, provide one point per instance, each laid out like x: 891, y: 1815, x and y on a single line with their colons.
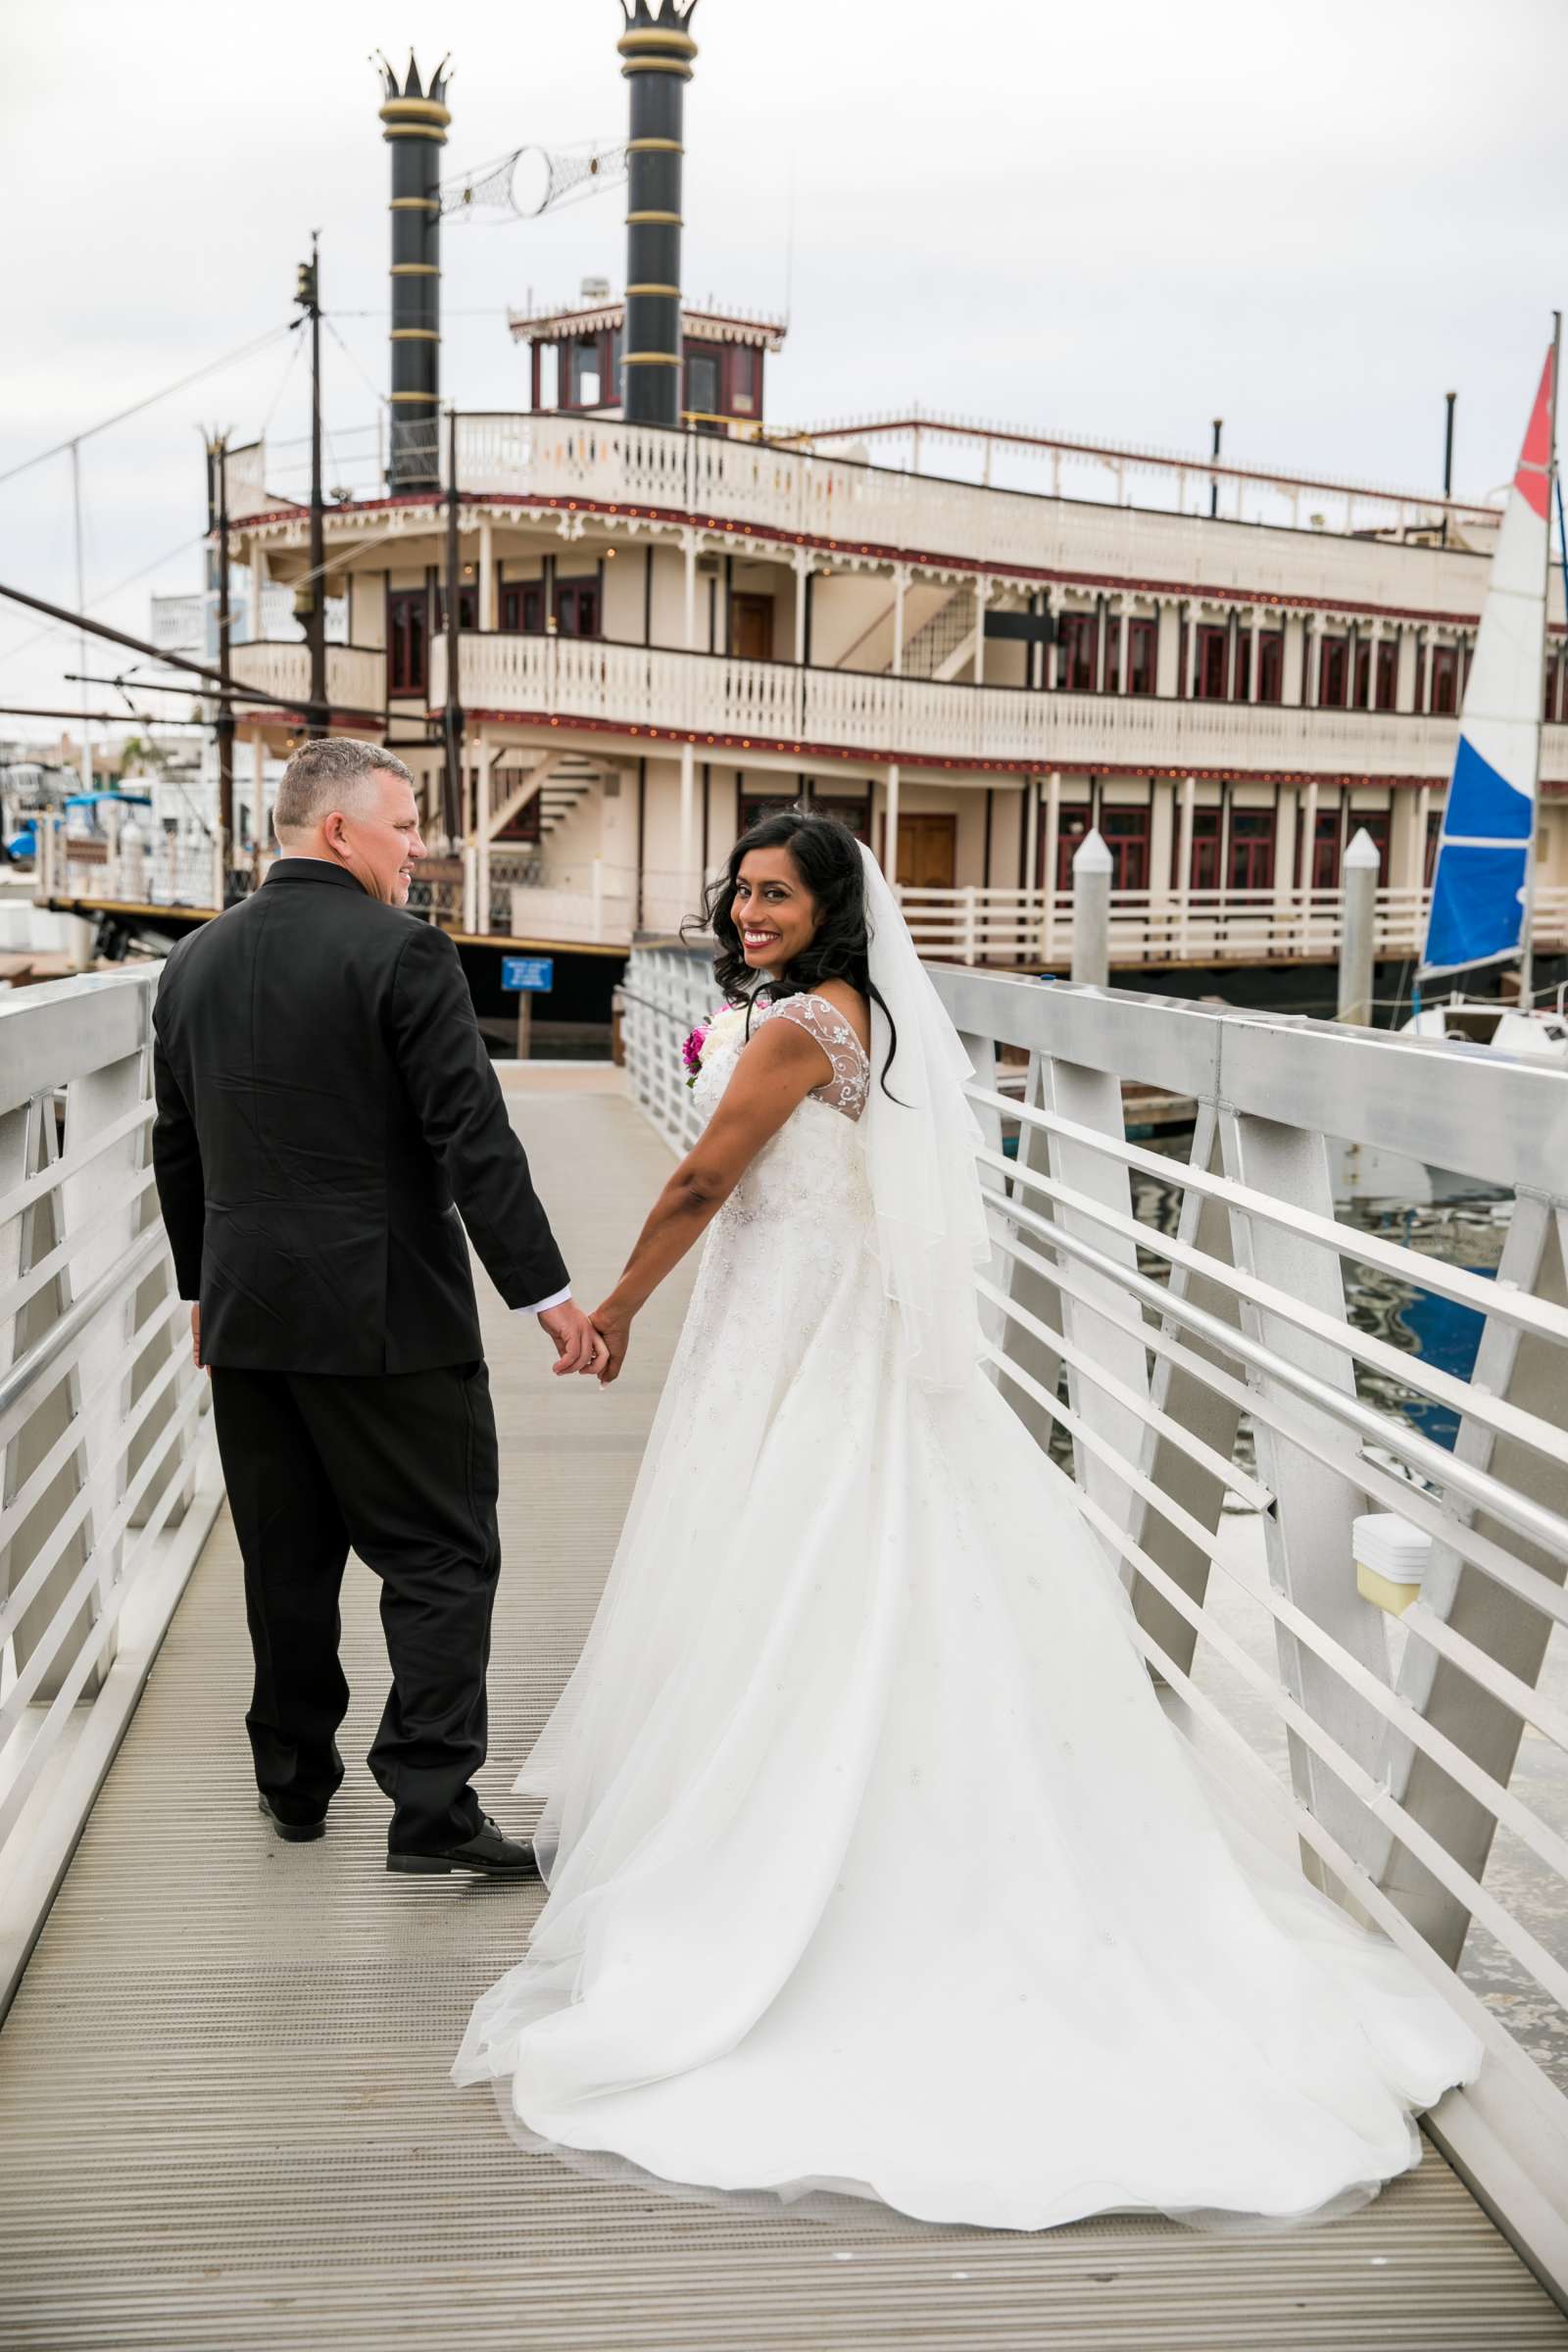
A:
x: 577, y: 1345
x: 594, y: 1343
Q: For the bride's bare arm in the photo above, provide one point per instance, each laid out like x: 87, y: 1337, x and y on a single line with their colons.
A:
x: 777, y: 1070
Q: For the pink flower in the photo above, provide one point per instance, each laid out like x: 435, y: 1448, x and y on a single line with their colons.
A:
x: 691, y: 1055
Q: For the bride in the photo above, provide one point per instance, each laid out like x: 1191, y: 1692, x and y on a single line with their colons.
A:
x: 873, y: 1863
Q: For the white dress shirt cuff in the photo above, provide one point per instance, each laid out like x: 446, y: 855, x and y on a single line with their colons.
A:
x: 555, y: 1299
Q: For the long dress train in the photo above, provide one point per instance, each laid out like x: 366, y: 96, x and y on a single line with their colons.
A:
x: 874, y: 1863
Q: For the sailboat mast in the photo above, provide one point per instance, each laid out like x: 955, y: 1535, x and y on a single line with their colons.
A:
x: 1527, y: 940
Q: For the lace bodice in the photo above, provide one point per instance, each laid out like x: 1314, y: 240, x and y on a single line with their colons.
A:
x: 831, y: 1029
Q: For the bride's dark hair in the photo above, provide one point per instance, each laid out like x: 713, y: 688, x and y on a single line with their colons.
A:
x: 827, y: 857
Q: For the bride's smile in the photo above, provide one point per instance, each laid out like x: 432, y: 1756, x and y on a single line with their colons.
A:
x: 773, y: 910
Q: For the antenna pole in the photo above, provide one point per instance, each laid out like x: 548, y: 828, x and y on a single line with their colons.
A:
x: 316, y: 617
x: 1448, y: 462
x: 225, y: 706
x: 82, y: 607
x: 1526, y: 942
x: 1213, y: 480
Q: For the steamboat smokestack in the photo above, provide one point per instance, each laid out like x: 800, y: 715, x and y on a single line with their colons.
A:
x: 657, y: 53
x: 415, y: 120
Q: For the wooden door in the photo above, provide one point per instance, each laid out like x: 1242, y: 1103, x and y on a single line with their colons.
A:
x: 928, y: 851
x: 750, y: 620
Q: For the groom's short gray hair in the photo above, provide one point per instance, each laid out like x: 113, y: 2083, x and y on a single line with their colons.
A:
x: 325, y: 775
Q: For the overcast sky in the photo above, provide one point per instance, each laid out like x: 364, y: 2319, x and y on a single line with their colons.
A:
x: 1121, y: 219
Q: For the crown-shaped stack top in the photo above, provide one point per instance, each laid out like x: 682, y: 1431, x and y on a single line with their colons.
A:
x: 411, y: 85
x: 668, y: 15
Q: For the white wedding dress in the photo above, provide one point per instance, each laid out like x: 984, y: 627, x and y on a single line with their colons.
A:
x: 875, y: 1864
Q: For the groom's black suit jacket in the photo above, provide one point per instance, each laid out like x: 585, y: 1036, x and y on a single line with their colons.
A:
x: 326, y: 1110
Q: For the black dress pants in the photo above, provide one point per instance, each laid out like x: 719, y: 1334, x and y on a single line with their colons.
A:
x: 401, y: 1467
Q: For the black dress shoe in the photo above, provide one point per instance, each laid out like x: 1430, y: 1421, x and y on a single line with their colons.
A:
x: 294, y: 1833
x: 491, y: 1853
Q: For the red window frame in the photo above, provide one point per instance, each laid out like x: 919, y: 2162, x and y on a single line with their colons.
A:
x: 1078, y: 636
x: 1388, y: 679
x: 1204, y: 864
x: 577, y: 608
x: 522, y: 608
x: 1271, y: 665
x: 1111, y: 683
x: 1442, y: 681
x: 745, y: 394
x: 1327, y: 848
x: 1143, y: 655
x: 407, y: 638
x: 1333, y: 673
x: 1124, y: 829
x: 1211, y: 666
x: 1251, y: 859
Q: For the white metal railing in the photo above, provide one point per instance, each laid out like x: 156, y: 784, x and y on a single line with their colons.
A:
x: 1199, y: 926
x: 880, y: 509
x: 107, y: 1488
x: 1178, y: 1328
x: 777, y: 707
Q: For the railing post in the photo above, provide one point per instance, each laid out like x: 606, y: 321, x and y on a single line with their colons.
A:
x: 1091, y: 911
x: 970, y: 924
x: 1358, y: 926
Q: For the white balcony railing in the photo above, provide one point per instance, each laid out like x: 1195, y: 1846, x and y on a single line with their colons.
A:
x: 777, y: 707
x: 1199, y: 926
x: 910, y: 515
x: 108, y: 1484
x: 356, y: 676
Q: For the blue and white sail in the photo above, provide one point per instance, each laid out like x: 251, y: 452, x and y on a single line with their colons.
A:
x: 1480, y: 885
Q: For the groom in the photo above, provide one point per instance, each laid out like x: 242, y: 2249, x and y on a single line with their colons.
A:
x: 328, y: 1124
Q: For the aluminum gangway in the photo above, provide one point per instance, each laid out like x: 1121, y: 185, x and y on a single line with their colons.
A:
x: 224, y: 2113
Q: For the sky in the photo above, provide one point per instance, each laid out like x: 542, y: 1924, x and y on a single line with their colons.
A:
x: 1117, y: 220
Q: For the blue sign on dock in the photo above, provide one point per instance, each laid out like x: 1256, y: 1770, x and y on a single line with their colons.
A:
x: 532, y: 975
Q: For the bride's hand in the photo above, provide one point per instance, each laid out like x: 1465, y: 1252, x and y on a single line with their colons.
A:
x: 614, y: 1326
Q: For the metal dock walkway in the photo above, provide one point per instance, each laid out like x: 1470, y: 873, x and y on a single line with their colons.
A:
x: 225, y: 2115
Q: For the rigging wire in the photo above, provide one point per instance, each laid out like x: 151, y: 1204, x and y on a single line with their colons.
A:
x: 102, y: 596
x: 229, y: 358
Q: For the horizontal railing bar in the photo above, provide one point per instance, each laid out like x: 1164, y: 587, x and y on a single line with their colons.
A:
x: 79, y: 1438
x: 1078, y: 1430
x: 1351, y: 1464
x: 44, y: 1738
x: 57, y: 1260
x: 1378, y: 1801
x: 1444, y: 1469
x: 1236, y: 1481
x: 1492, y: 1412
x: 1396, y: 1712
x: 1511, y: 1690
x: 1518, y: 1307
x: 1346, y: 1459
x: 24, y: 1196
x: 23, y: 1375
x: 1525, y: 2074
x: 92, y: 1569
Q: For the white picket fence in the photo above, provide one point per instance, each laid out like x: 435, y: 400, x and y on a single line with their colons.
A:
x: 1228, y: 1423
